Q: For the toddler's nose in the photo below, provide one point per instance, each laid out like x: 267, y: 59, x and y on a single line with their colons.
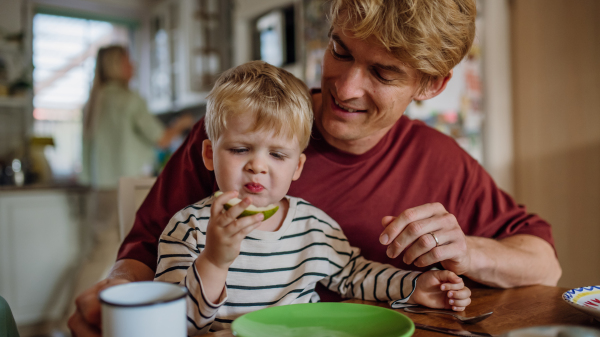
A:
x: 257, y: 165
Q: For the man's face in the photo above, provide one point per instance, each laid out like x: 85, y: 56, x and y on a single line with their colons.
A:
x: 257, y: 164
x: 365, y: 90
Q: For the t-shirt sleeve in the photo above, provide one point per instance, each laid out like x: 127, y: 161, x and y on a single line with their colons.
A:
x: 486, y: 210
x: 183, y: 181
x: 353, y: 276
x: 144, y: 123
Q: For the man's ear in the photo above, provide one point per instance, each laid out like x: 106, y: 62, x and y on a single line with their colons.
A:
x: 436, y: 86
x: 301, y: 162
x: 207, y: 155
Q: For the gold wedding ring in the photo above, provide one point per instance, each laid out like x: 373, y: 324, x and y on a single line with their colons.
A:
x: 437, y: 243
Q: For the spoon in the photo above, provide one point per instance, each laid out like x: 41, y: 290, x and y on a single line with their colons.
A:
x: 466, y: 320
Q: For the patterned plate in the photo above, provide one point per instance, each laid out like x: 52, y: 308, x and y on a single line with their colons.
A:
x: 586, y: 299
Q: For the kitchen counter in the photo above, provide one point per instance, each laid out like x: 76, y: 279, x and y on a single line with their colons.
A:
x: 75, y: 187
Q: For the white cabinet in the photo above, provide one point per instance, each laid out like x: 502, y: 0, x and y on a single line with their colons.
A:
x: 39, y: 245
x: 189, y: 47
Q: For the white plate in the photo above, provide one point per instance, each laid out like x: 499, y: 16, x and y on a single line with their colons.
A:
x: 586, y: 299
x: 554, y: 331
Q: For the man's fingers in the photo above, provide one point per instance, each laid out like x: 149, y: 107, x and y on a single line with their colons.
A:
x: 435, y: 255
x: 408, y: 216
x: 386, y: 220
x: 88, y: 304
x: 422, y: 245
x: 80, y: 328
x: 421, y: 229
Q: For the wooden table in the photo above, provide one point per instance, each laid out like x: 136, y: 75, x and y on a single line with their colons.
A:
x: 513, y: 309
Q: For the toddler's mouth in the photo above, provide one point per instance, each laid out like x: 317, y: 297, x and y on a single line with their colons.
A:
x: 254, y: 187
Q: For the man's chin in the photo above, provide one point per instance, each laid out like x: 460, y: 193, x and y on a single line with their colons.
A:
x: 340, y: 131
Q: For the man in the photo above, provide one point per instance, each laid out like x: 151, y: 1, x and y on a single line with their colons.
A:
x: 368, y: 165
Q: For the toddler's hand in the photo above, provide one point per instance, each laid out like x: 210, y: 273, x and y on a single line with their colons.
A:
x: 225, y: 232
x: 441, y: 289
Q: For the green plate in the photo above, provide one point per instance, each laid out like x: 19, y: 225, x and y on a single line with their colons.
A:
x: 324, y: 320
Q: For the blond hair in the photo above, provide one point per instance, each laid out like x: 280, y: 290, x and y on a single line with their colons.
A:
x: 109, y: 67
x: 431, y: 36
x: 279, y: 101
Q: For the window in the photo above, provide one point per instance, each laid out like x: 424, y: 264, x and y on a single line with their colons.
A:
x: 64, y: 58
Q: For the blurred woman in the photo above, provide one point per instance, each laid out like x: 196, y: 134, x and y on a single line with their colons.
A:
x: 119, y: 134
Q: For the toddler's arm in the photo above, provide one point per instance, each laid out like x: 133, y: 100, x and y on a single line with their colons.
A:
x: 205, y: 280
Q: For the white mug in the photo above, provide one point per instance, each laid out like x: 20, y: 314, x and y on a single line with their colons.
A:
x: 145, y: 309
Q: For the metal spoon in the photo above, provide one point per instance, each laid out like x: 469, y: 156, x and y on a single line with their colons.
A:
x: 466, y: 320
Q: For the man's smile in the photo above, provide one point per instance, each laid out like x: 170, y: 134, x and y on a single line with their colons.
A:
x: 345, y: 108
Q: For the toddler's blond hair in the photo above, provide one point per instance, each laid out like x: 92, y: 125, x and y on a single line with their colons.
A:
x: 279, y: 101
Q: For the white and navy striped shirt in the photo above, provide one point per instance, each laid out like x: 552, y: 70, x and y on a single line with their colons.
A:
x: 274, y: 268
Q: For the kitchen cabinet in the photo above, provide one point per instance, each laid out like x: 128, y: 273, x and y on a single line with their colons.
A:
x: 39, y: 246
x: 189, y: 47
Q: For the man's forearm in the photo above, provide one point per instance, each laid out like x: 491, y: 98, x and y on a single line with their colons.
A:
x: 515, y: 261
x: 131, y: 270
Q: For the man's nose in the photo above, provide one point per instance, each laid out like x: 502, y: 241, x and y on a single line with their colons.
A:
x: 350, y: 84
x: 257, y: 165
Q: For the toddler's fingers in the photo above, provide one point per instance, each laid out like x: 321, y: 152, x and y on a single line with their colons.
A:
x: 454, y: 308
x: 447, y: 276
x: 460, y: 294
x: 245, y: 225
x: 246, y: 230
x: 452, y: 286
x: 460, y: 303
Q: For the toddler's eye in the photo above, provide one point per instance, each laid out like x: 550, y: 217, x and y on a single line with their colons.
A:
x: 278, y: 155
x: 238, y: 150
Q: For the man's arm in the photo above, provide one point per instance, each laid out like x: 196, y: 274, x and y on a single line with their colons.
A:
x: 131, y: 270
x: 85, y: 322
x: 514, y: 261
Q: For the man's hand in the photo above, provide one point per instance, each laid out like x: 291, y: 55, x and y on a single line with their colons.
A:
x: 86, y: 321
x: 411, y: 232
x: 441, y: 289
x: 225, y: 231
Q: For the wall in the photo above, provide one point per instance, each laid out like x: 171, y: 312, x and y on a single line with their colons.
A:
x: 556, y: 59
x: 497, y: 99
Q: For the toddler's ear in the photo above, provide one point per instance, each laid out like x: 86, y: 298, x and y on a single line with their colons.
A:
x: 300, y: 167
x: 207, y: 155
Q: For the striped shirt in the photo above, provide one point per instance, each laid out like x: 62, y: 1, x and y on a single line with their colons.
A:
x: 274, y: 268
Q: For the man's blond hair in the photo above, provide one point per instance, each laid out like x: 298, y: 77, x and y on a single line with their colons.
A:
x: 431, y: 36
x: 279, y: 101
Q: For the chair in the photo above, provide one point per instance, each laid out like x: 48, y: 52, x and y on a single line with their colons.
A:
x: 131, y: 194
x: 8, y: 327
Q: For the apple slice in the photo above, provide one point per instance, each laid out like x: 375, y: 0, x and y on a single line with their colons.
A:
x: 267, y: 211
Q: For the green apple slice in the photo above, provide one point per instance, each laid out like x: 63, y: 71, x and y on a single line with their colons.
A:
x: 267, y: 211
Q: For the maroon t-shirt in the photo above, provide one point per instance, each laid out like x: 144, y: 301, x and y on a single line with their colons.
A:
x: 411, y: 166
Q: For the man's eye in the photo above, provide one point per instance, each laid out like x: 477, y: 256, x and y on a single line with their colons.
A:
x: 385, y: 78
x: 238, y: 150
x: 335, y: 51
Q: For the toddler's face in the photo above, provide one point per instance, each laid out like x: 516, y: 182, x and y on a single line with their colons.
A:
x: 257, y: 164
